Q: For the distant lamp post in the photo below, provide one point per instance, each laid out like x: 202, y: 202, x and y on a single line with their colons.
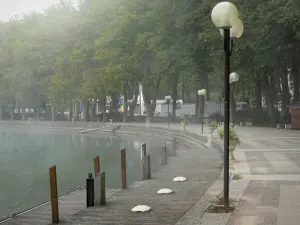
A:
x: 225, y: 17
x: 202, y: 93
x: 233, y: 78
x: 168, y: 99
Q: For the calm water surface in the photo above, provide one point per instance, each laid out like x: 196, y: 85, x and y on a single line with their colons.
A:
x: 26, y: 155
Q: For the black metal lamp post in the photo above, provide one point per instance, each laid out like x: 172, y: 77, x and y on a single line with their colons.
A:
x: 225, y: 16
x: 202, y: 93
x: 168, y: 101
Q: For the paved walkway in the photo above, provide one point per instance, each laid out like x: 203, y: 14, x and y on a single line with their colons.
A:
x: 269, y: 162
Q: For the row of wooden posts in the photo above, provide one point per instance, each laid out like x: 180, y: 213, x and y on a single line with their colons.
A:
x: 95, y: 187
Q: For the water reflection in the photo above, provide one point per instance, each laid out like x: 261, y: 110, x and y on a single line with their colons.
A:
x: 26, y: 155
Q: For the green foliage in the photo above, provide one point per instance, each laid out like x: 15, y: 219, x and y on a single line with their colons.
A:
x: 232, y: 134
x: 106, y: 47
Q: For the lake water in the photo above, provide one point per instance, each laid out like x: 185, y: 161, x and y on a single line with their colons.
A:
x: 26, y: 155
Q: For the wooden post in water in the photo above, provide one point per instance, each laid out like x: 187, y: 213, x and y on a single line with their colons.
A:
x: 123, y: 169
x: 53, y: 194
x: 96, y: 165
x: 164, y: 155
x: 103, y: 192
x: 143, y: 151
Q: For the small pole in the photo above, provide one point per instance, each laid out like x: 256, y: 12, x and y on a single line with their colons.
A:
x: 148, y: 158
x: 53, y: 194
x: 96, y: 165
x: 168, y: 114
x: 164, y: 161
x: 123, y: 169
x: 103, y: 192
x: 90, y: 190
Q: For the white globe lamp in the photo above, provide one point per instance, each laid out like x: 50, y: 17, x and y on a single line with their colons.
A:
x: 224, y: 15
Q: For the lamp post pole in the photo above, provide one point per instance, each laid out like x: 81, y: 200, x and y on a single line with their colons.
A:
x: 232, y: 104
x: 225, y: 17
x: 202, y: 93
x: 168, y: 102
x: 202, y: 113
x: 226, y: 115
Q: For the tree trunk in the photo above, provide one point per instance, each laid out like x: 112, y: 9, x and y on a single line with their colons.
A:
x: 125, y: 98
x: 174, y: 99
x: 53, y: 112
x: 70, y: 115
x: 1, y: 112
x: 104, y: 109
x: 295, y: 76
x: 270, y: 93
x: 77, y: 110
x: 93, y: 113
x: 86, y: 110
x: 37, y: 113
x: 285, y: 95
x: 114, y: 102
x: 183, y: 92
x: 149, y: 105
x: 258, y: 93
x: 206, y: 86
x: 12, y: 109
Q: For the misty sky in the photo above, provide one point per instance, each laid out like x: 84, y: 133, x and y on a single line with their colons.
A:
x: 9, y: 7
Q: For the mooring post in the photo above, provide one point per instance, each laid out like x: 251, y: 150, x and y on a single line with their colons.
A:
x: 123, y: 169
x: 143, y: 151
x: 103, y: 191
x: 148, y: 158
x: 53, y: 194
x: 143, y: 155
x: 90, y: 190
x: 164, y: 155
x: 97, y: 189
x: 96, y: 165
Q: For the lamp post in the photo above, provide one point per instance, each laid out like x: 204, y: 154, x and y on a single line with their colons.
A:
x: 225, y: 17
x: 168, y: 99
x: 202, y: 93
x: 233, y: 78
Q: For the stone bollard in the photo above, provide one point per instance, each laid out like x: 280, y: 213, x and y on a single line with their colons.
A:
x: 99, y: 189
